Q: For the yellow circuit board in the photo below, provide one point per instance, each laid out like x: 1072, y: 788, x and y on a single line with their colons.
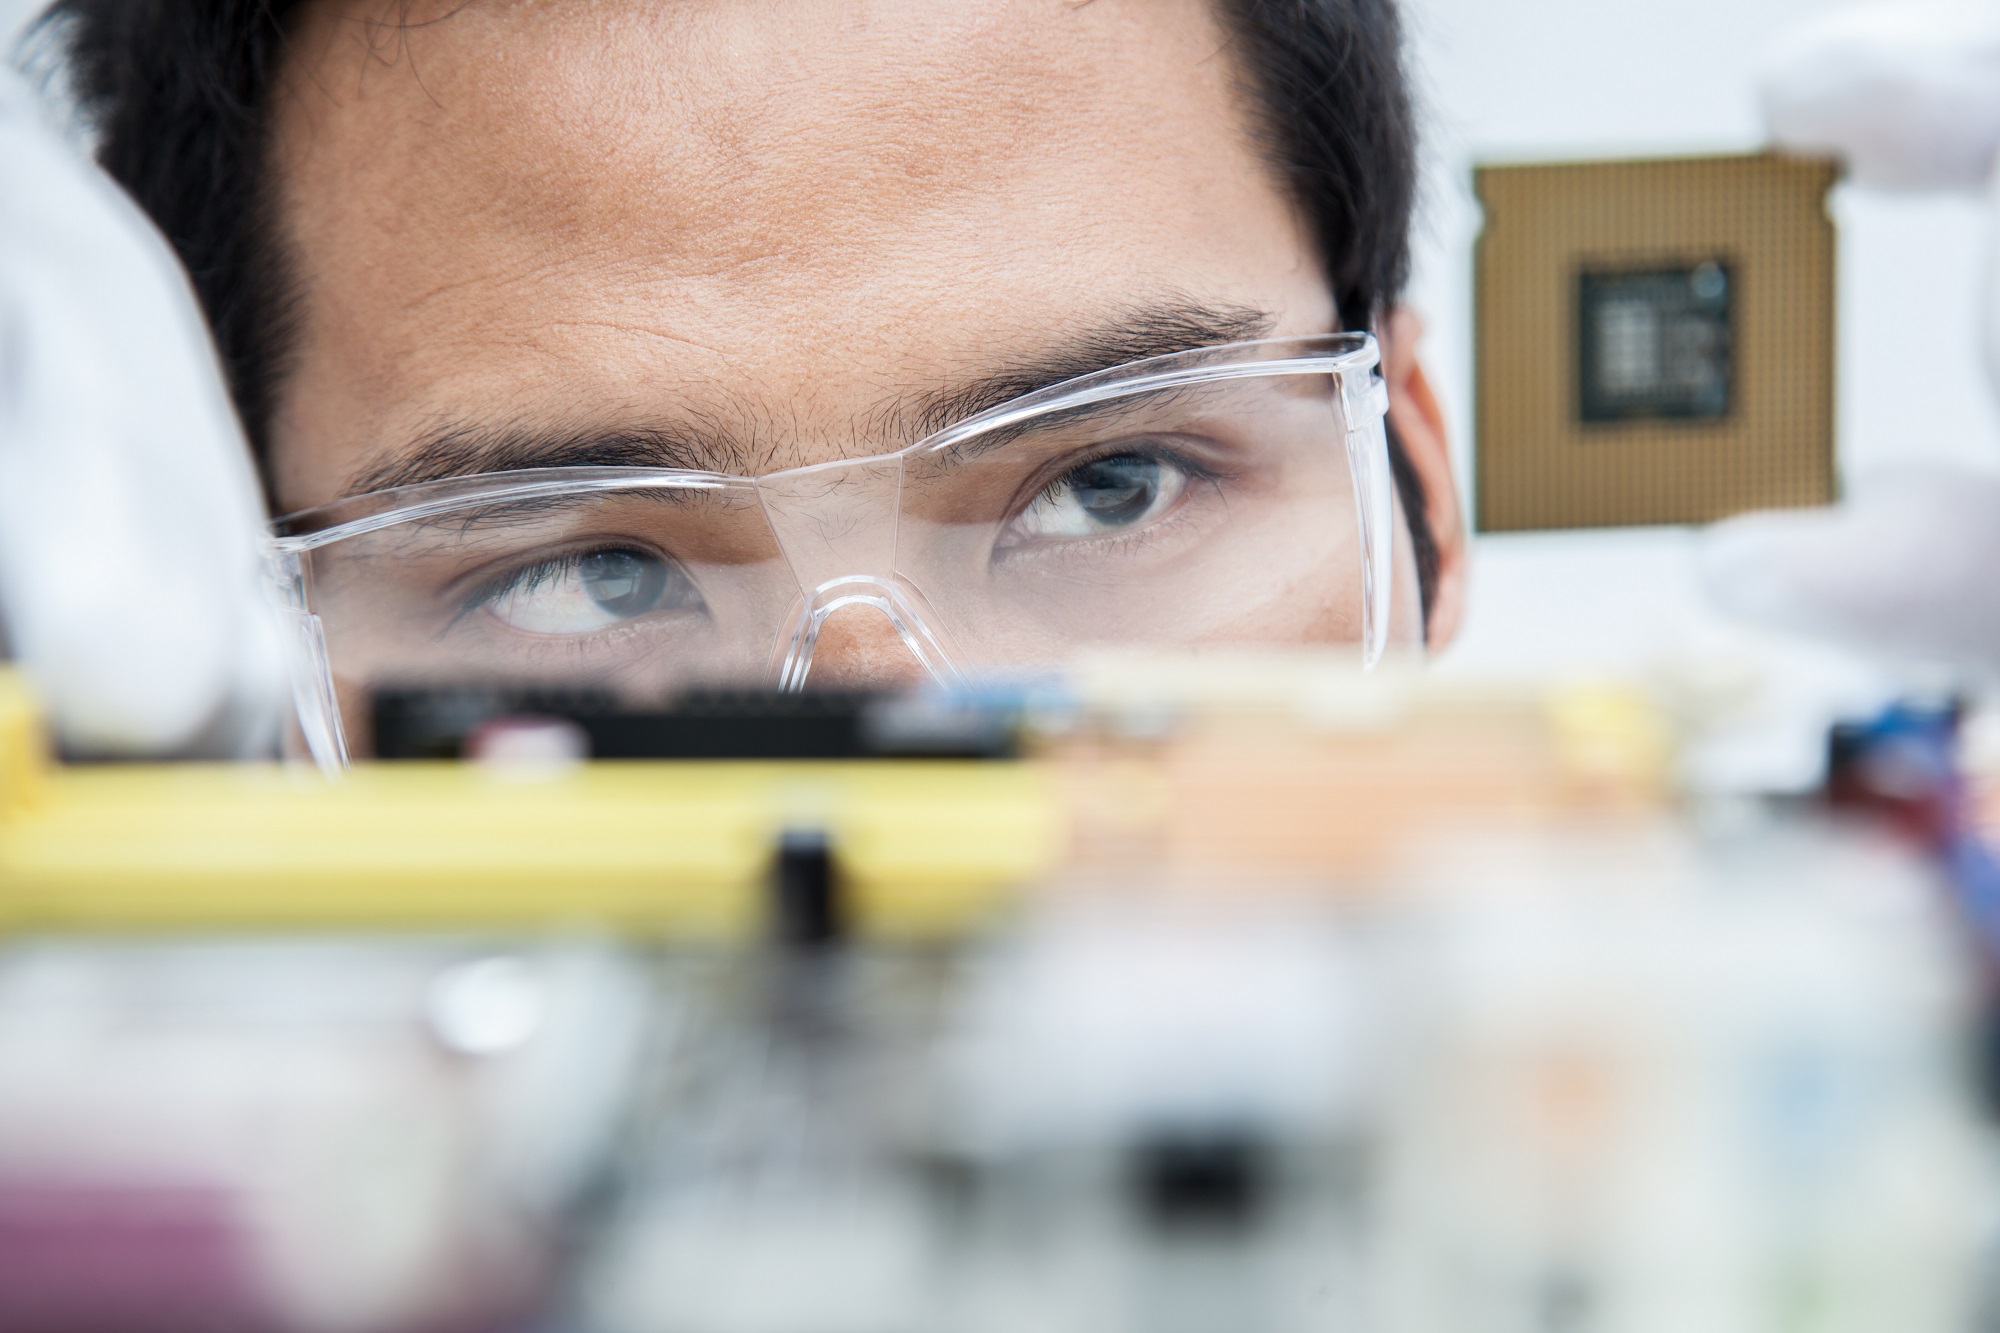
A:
x: 678, y: 848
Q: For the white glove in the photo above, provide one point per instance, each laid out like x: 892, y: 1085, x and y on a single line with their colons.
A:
x: 1909, y: 95
x: 129, y: 511
x: 1911, y: 572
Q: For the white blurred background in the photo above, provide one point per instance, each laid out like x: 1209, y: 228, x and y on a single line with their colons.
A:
x: 1525, y: 79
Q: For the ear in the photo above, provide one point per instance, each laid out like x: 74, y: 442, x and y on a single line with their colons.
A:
x: 1419, y: 423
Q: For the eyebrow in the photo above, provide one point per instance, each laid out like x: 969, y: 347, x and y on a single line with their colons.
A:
x: 461, y: 449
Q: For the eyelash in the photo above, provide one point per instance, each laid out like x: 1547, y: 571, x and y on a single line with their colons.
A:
x: 1195, y: 469
x: 1198, y: 473
x: 541, y: 569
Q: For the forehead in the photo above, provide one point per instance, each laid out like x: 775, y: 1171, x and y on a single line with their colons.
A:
x: 772, y: 211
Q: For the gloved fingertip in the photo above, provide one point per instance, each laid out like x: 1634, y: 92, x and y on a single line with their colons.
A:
x: 1743, y: 566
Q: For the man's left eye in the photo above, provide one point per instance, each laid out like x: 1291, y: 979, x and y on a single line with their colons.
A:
x: 1105, y: 495
x: 577, y: 594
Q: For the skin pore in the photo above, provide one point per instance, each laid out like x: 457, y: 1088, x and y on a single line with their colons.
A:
x: 753, y: 234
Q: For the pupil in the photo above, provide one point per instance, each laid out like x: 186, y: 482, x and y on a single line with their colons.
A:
x: 1117, y: 490
x: 625, y: 583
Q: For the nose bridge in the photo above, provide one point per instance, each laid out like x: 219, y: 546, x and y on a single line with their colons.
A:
x: 836, y: 521
x: 836, y: 524
x: 861, y: 644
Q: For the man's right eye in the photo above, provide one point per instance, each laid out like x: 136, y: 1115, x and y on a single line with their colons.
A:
x: 589, y: 591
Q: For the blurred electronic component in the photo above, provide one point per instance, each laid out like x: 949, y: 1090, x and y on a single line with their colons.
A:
x: 678, y: 849
x: 450, y: 723
x: 301, y: 1135
x: 1253, y: 997
x: 1658, y: 1082
x: 1265, y: 768
x: 1278, y: 768
x: 1655, y: 340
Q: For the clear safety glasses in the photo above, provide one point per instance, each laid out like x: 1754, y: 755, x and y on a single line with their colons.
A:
x: 1227, y: 496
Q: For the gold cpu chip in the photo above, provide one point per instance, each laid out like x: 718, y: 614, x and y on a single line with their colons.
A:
x: 1654, y: 341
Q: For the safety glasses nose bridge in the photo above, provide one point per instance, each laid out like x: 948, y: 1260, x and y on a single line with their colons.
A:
x: 836, y: 524
x: 835, y: 521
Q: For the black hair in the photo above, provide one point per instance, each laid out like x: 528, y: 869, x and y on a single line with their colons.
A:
x: 178, y: 93
x: 1334, y: 111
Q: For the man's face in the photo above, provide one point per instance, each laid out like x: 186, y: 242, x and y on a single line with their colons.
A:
x: 789, y: 229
